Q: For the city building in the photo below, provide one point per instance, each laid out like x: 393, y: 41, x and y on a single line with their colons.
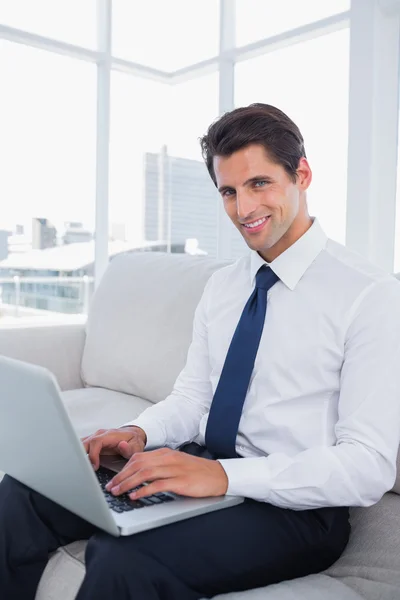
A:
x: 75, y: 233
x: 180, y: 201
x: 44, y: 234
x: 19, y: 243
x: 4, y: 235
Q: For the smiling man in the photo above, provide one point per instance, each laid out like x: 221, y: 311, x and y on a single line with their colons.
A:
x: 289, y: 397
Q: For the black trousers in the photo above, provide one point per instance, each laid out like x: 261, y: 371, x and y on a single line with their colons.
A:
x: 250, y: 545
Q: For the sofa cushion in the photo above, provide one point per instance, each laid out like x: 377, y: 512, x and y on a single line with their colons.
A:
x: 369, y: 568
x: 371, y: 562
x: 140, y: 322
x: 96, y: 408
x: 65, y: 571
x: 313, y: 587
x: 63, y: 574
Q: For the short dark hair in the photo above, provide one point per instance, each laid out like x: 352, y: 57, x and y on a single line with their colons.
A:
x: 255, y: 124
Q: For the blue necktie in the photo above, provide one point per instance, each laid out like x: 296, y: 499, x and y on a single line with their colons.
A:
x: 229, y: 397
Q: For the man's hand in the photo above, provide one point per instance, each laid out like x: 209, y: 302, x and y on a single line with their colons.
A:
x: 168, y: 470
x: 124, y: 441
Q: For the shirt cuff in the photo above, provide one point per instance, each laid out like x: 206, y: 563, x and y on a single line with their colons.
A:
x: 155, y: 432
x: 247, y: 477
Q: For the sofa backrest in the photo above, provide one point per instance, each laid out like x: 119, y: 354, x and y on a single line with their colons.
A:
x: 140, y: 322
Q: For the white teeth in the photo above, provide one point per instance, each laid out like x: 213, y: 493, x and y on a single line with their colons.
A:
x: 256, y: 223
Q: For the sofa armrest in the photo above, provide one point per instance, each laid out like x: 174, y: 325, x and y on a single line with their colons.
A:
x: 57, y: 347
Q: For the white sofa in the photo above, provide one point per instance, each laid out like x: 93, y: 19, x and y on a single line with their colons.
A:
x: 126, y: 358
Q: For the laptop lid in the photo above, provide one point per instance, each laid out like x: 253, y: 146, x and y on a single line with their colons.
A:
x: 37, y: 438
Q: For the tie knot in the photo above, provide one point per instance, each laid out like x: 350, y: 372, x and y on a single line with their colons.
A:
x: 266, y: 278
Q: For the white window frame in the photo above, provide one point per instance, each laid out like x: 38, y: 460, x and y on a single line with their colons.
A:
x: 373, y: 126
x: 373, y: 129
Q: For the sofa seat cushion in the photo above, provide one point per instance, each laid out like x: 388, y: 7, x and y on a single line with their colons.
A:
x: 371, y: 562
x: 313, y: 587
x: 97, y: 408
x: 369, y: 568
x: 63, y: 574
x: 65, y: 571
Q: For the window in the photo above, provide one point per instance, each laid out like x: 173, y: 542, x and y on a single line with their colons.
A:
x: 257, y: 19
x: 47, y: 187
x: 165, y: 34
x: 160, y: 191
x: 309, y: 82
x: 71, y: 21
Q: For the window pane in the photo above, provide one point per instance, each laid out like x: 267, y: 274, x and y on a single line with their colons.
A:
x: 163, y: 34
x: 258, y: 19
x: 71, y: 21
x: 160, y: 190
x: 47, y: 150
x: 309, y: 82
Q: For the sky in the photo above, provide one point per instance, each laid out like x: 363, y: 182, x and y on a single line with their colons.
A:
x: 48, y: 102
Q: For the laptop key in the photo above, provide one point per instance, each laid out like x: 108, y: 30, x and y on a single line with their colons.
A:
x: 145, y: 501
x: 127, y: 506
x: 164, y: 497
x: 136, y: 504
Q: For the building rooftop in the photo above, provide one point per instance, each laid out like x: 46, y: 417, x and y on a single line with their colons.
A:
x: 70, y: 257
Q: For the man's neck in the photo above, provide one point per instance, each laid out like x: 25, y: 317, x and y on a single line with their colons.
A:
x: 288, y: 239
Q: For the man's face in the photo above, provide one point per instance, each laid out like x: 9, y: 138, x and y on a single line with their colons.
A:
x: 253, y: 187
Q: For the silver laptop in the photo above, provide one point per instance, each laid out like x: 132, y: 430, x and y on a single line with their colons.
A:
x: 40, y: 448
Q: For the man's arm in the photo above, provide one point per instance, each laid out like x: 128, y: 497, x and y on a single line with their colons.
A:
x: 361, y: 467
x: 176, y: 419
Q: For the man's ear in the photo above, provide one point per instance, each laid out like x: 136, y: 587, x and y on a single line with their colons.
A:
x: 304, y: 174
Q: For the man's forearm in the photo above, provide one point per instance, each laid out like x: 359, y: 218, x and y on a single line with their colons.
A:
x: 348, y: 474
x: 171, y: 422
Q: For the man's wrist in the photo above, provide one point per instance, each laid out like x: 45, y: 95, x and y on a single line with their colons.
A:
x: 223, y: 478
x: 141, y: 432
x: 153, y: 430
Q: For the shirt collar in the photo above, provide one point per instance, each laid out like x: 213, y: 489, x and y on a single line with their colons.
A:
x: 291, y: 265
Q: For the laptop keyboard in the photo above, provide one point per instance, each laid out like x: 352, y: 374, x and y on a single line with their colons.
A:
x: 123, y: 503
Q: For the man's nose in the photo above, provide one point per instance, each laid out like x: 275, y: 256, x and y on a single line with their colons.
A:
x: 246, y: 205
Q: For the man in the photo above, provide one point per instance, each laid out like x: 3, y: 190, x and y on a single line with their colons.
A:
x: 291, y: 384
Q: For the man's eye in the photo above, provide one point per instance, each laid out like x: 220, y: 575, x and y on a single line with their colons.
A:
x: 228, y: 192
x: 260, y: 183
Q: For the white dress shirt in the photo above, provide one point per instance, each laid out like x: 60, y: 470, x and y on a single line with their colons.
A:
x: 321, y: 421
